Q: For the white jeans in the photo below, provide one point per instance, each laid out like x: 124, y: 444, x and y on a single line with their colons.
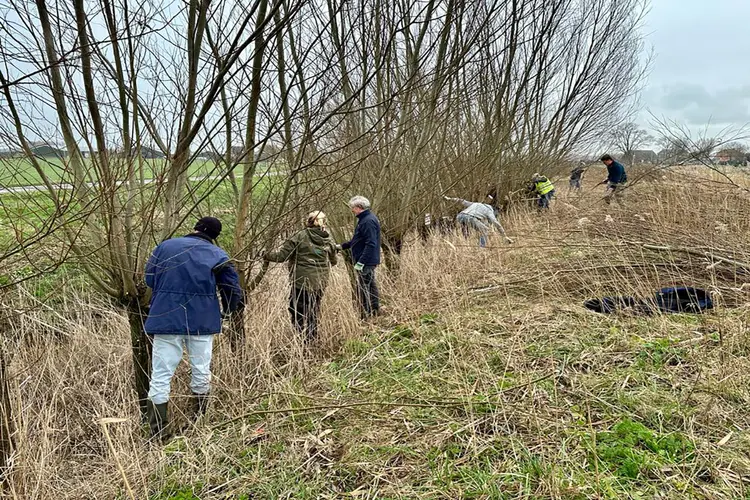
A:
x: 167, y: 354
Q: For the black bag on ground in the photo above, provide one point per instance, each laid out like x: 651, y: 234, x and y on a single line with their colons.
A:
x: 666, y: 300
x: 609, y: 305
x: 684, y: 299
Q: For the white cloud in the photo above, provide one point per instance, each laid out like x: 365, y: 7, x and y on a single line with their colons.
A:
x: 700, y: 72
x: 694, y: 104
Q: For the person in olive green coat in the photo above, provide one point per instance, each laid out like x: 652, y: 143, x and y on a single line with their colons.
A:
x: 309, y: 254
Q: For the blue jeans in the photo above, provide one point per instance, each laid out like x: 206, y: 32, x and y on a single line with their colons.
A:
x: 468, y: 223
x: 544, y: 199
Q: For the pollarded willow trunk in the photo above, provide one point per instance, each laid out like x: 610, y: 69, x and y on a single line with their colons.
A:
x: 141, y: 351
x: 236, y: 332
x: 393, y: 244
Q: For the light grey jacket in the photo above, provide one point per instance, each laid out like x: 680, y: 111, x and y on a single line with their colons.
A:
x: 481, y: 211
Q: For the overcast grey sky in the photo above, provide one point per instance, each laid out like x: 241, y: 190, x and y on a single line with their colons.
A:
x: 701, y: 70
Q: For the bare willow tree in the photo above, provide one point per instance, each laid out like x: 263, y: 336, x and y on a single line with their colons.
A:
x: 627, y: 138
x: 148, y: 78
x: 475, y: 96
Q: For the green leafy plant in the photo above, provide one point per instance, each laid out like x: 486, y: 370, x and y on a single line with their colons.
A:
x: 631, y: 448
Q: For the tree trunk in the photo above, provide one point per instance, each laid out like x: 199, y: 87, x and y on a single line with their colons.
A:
x: 6, y: 422
x: 237, y: 330
x: 141, y: 347
x: 392, y: 252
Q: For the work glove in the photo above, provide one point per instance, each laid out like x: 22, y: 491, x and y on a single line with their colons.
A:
x: 338, y: 248
x: 358, y: 267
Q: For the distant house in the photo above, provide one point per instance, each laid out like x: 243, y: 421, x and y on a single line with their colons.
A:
x: 644, y: 156
x: 665, y: 155
x: 672, y: 156
x: 730, y: 156
x: 720, y: 158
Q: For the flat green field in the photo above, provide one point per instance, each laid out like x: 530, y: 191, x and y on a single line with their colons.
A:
x: 20, y: 171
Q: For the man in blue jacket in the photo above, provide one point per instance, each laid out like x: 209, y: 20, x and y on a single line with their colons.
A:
x: 365, y: 247
x: 616, y: 179
x: 184, y: 274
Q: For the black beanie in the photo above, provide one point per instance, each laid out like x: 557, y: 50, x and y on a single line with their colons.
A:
x: 210, y: 226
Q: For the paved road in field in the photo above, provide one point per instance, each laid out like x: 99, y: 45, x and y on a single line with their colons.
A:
x: 68, y: 187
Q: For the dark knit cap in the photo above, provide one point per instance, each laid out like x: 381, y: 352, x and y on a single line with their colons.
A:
x: 210, y: 226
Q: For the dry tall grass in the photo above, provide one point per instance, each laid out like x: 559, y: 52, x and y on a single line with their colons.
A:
x: 482, y: 321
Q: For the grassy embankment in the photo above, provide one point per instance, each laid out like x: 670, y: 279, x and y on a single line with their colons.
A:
x: 485, y: 379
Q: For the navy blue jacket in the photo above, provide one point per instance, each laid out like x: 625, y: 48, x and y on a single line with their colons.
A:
x: 616, y: 173
x: 184, y: 274
x: 365, y: 243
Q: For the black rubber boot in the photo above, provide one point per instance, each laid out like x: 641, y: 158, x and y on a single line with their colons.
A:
x: 158, y: 421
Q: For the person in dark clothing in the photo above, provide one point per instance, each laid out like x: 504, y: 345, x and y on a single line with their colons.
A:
x: 184, y: 274
x: 365, y: 248
x: 616, y: 180
x: 576, y: 177
x: 309, y: 254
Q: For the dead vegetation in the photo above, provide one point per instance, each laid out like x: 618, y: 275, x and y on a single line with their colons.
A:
x: 486, y: 379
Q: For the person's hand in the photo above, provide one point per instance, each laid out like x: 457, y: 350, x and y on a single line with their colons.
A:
x: 446, y: 197
x: 508, y: 240
x: 358, y: 267
x: 338, y: 247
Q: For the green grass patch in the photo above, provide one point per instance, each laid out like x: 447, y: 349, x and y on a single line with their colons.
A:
x: 15, y: 172
x: 173, y: 491
x: 21, y: 171
x: 608, y: 422
x: 630, y: 449
x: 660, y: 352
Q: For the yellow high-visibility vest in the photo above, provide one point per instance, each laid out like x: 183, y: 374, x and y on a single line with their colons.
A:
x: 544, y: 187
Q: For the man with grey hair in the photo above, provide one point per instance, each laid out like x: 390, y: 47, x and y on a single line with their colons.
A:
x: 365, y: 248
x: 478, y: 216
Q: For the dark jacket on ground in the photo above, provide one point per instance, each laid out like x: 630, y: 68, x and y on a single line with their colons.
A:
x: 184, y: 274
x: 310, y: 255
x: 365, y: 243
x: 616, y: 173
